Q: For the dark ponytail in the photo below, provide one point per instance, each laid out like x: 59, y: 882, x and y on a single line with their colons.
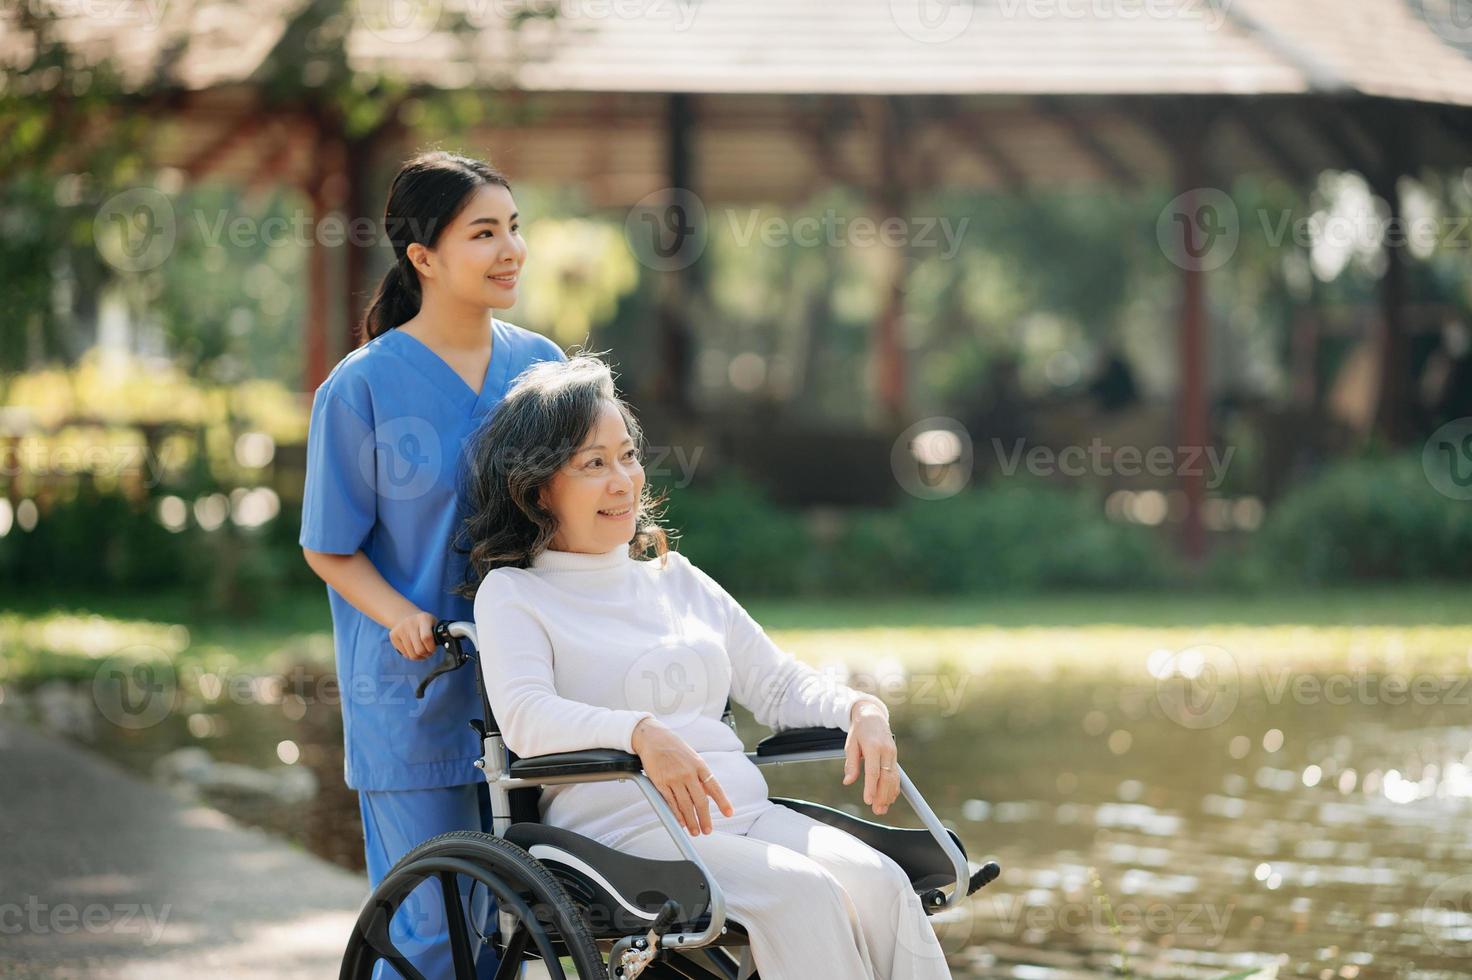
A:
x: 426, y: 195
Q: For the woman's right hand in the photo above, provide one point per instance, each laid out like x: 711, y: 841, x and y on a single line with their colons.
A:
x: 413, y: 635
x: 675, y: 770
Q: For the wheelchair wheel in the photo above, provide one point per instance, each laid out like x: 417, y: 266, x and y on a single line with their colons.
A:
x: 537, y: 921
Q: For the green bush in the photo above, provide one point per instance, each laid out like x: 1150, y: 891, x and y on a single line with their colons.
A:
x: 108, y: 541
x: 736, y: 535
x: 95, y: 539
x: 1017, y: 538
x: 1375, y: 519
x: 1012, y: 538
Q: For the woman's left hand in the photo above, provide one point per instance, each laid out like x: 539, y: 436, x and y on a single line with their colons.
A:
x: 871, y: 745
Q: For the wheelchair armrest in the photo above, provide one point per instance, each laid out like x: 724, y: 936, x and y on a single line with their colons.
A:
x: 798, y: 740
x: 575, y: 764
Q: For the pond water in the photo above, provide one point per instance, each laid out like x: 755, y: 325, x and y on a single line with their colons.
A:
x: 1142, y: 829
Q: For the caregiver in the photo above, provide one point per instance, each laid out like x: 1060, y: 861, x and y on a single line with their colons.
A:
x: 382, y: 501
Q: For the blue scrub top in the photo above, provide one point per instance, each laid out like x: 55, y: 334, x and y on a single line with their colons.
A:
x: 389, y: 430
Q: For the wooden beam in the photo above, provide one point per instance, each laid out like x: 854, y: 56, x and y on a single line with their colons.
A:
x: 271, y: 168
x: 974, y: 139
x: 1166, y: 122
x: 1267, y: 143
x: 1084, y: 136
x: 203, y: 162
x: 824, y: 138
x: 1335, y: 129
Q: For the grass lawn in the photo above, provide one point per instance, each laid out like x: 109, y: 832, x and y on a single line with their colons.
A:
x: 1427, y: 627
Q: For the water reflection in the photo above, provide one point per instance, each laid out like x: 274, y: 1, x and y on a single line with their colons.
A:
x: 1305, y: 839
x: 1294, y: 838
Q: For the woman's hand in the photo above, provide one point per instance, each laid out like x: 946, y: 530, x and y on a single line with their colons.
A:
x: 871, y: 744
x: 675, y: 770
x: 413, y: 635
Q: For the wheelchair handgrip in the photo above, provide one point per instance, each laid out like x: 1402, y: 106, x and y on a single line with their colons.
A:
x: 985, y: 875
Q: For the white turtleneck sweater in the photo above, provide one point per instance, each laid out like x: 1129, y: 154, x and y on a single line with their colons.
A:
x: 577, y: 649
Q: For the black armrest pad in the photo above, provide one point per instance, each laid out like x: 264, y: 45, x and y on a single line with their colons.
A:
x: 801, y: 740
x: 575, y: 763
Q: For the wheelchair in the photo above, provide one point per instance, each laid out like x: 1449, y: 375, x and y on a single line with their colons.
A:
x: 566, y: 901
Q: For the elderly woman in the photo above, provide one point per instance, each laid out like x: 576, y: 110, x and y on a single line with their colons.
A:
x: 585, y: 644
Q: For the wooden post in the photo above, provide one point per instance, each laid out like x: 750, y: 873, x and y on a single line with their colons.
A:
x: 892, y: 197
x: 314, y: 334
x: 678, y: 288
x: 325, y: 192
x: 1193, y: 408
x: 356, y: 170
x: 1393, y: 415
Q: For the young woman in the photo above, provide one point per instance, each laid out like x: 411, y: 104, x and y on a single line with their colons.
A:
x: 585, y: 645
x: 381, y: 504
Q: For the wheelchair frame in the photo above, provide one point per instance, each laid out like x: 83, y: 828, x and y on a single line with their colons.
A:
x: 632, y: 954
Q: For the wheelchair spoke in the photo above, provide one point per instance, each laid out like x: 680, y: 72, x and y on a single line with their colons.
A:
x: 511, y: 956
x: 460, y: 951
x: 382, y: 947
x: 399, y: 962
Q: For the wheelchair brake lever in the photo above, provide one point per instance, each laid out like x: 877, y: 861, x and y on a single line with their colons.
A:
x: 456, y: 656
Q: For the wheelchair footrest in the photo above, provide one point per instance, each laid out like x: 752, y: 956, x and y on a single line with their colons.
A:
x: 618, y: 894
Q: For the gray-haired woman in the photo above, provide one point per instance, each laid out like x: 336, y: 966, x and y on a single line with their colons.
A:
x: 586, y: 644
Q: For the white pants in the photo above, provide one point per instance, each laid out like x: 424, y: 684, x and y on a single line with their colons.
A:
x: 816, y: 901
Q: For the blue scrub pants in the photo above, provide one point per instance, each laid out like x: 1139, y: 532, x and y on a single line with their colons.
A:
x: 394, y: 823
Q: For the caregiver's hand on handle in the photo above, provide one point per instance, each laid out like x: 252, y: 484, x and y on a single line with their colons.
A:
x: 413, y: 635
x: 410, y: 629
x: 871, y: 745
x: 675, y: 770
